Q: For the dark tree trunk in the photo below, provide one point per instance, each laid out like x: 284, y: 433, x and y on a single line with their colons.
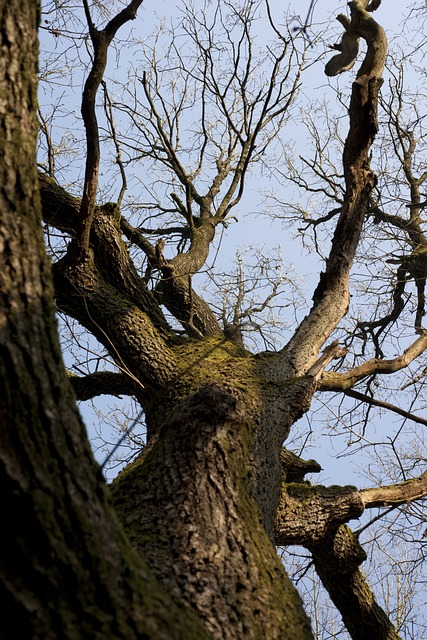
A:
x: 66, y: 570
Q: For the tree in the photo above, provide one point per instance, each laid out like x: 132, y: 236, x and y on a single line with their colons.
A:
x: 213, y: 490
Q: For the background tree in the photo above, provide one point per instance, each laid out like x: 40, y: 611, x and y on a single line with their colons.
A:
x: 212, y: 490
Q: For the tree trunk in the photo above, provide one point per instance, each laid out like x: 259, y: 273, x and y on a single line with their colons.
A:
x: 66, y: 570
x: 171, y: 372
x: 200, y: 500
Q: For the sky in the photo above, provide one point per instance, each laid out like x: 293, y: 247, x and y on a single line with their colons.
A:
x: 315, y: 86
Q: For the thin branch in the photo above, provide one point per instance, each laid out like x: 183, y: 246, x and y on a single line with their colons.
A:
x: 385, y: 405
x: 333, y: 381
x: 108, y: 108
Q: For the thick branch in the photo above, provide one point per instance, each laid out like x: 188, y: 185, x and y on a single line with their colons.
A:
x: 395, y: 494
x: 177, y: 294
x: 111, y: 314
x: 110, y: 253
x: 313, y: 516
x: 106, y: 295
x: 60, y: 210
x: 102, y: 383
x: 310, y: 514
x: 337, y: 565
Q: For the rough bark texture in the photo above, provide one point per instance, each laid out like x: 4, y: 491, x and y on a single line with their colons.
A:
x: 226, y: 470
x: 169, y: 371
x: 190, y: 511
x: 313, y: 516
x: 337, y: 565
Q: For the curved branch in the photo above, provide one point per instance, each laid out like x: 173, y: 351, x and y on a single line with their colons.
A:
x: 333, y: 381
x: 360, y: 23
x: 348, y: 48
x: 101, y: 40
x: 175, y: 289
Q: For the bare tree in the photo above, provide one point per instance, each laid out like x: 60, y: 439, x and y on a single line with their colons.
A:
x: 212, y: 491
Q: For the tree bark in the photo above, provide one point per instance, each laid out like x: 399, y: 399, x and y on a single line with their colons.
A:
x: 314, y: 517
x: 337, y: 564
x: 188, y: 506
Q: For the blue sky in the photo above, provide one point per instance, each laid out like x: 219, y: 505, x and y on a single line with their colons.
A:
x: 251, y: 229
